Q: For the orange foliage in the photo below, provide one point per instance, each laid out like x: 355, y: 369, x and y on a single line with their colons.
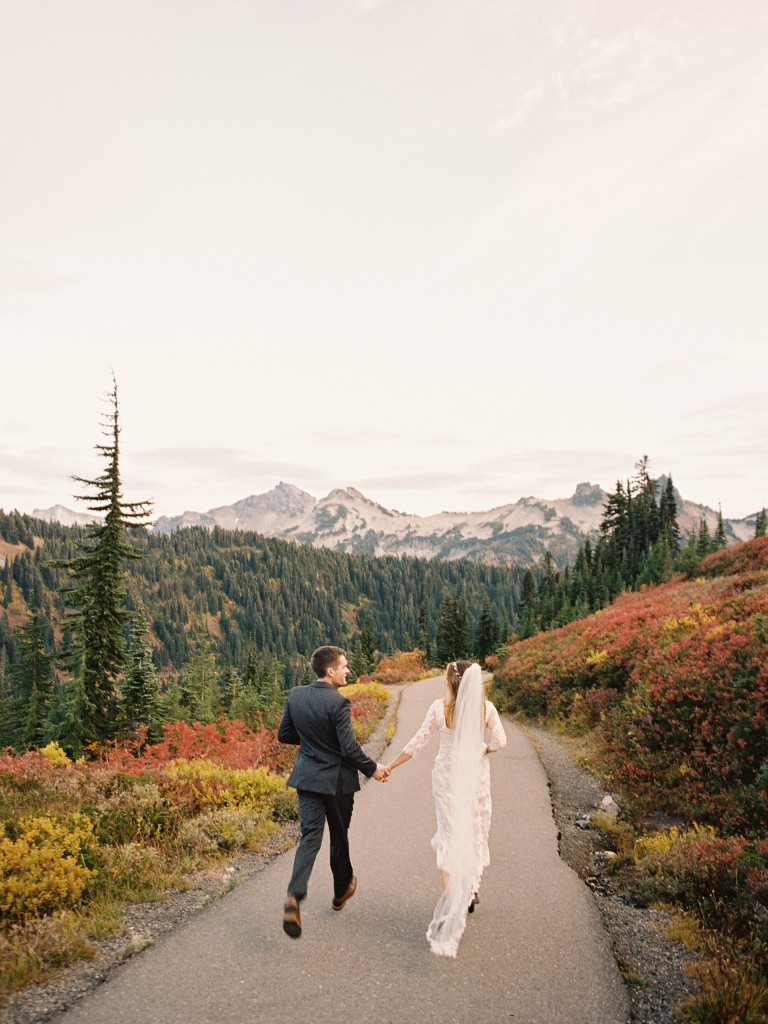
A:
x: 402, y: 666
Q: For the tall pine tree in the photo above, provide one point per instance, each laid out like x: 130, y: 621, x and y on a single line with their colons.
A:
x: 98, y: 597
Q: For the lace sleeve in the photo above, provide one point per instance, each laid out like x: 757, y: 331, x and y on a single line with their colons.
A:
x: 422, y: 737
x: 497, y: 738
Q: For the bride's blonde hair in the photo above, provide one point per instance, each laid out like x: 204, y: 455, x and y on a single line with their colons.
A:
x: 453, y: 675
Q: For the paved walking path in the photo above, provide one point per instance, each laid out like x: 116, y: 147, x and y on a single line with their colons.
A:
x: 533, y: 953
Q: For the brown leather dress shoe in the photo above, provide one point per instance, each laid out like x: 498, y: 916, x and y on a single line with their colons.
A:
x: 338, y: 902
x: 291, y: 917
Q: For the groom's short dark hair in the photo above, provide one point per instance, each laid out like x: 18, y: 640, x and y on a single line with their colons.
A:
x: 325, y: 658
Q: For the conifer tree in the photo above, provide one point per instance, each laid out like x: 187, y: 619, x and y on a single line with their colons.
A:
x: 445, y: 639
x: 251, y: 674
x: 704, y: 540
x: 463, y: 633
x: 760, y: 524
x: 453, y: 638
x: 424, y: 643
x: 528, y: 592
x: 7, y: 716
x: 668, y: 514
x: 98, y: 596
x: 141, y: 693
x: 486, y: 634
x: 719, y: 540
x: 365, y: 647
x: 231, y: 687
x: 689, y: 556
x: 271, y: 693
x: 72, y: 715
x: 200, y: 683
x: 32, y: 682
x: 527, y: 624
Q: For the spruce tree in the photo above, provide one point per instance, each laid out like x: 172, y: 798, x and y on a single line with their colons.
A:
x: 231, y: 687
x: 365, y: 648
x: 98, y: 597
x: 141, y: 693
x: 271, y: 693
x: 32, y: 681
x: 72, y: 715
x: 486, y: 634
x: 7, y: 716
x: 445, y: 640
x: 424, y: 643
x: 704, y: 540
x: 251, y: 674
x: 200, y: 683
x: 528, y: 592
x: 720, y: 540
x: 668, y: 514
x: 689, y: 556
x: 453, y: 638
x: 463, y: 632
x: 760, y: 524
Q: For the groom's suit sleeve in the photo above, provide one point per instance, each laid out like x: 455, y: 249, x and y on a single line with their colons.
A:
x: 287, y: 731
x: 351, y: 751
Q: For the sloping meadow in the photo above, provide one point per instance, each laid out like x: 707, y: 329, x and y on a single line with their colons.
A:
x: 674, y: 682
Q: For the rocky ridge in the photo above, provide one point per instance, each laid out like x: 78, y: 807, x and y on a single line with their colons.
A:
x: 346, y: 520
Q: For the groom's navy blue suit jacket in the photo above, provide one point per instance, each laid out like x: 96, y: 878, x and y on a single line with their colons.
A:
x: 318, y: 719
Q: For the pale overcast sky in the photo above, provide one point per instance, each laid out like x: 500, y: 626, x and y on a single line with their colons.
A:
x: 448, y: 252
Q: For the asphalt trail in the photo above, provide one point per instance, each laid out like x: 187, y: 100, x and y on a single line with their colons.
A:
x: 534, y: 952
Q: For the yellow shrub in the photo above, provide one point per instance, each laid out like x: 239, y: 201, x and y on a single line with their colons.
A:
x: 660, y: 844
x: 216, y: 786
x: 42, y: 869
x: 375, y: 691
x: 597, y: 658
x: 55, y: 754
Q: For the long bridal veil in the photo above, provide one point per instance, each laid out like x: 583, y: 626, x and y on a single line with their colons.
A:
x: 463, y: 865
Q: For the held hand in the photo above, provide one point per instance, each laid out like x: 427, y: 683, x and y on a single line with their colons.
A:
x: 381, y: 774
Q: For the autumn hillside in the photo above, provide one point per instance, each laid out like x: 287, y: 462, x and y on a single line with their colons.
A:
x: 674, y: 682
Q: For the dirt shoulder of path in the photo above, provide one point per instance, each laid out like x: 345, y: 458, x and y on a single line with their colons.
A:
x: 653, y: 966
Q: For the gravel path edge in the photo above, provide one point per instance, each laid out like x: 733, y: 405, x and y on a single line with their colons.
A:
x: 654, y: 967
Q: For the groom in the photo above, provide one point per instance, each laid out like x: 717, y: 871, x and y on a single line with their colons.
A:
x: 318, y: 719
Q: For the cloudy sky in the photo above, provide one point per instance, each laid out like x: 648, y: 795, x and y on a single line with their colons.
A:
x: 448, y: 252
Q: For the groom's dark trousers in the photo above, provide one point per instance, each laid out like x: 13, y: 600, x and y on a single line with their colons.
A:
x: 325, y: 777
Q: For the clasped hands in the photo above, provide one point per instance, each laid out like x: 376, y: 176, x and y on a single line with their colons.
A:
x: 382, y: 773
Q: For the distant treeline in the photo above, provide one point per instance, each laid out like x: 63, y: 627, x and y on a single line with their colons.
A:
x: 639, y: 544
x: 240, y: 590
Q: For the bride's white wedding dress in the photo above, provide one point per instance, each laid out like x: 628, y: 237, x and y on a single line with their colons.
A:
x: 462, y: 793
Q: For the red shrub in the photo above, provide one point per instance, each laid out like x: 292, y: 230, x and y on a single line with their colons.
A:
x: 232, y: 744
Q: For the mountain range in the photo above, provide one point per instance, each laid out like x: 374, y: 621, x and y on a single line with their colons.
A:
x: 346, y: 520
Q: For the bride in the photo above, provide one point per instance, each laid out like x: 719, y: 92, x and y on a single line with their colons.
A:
x: 470, y: 728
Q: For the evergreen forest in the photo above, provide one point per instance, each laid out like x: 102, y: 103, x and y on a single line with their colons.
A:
x: 244, y: 605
